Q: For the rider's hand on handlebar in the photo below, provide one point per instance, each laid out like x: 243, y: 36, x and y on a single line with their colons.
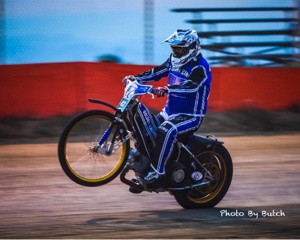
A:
x: 128, y: 78
x: 160, y: 91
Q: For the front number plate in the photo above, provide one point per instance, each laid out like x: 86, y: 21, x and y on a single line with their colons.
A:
x: 123, y: 104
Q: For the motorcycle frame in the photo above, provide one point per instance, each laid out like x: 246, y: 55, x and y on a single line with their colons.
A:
x: 132, y: 127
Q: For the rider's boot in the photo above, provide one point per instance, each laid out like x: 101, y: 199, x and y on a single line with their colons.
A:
x: 151, y: 177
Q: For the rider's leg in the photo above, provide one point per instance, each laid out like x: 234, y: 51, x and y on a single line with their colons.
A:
x: 166, y: 135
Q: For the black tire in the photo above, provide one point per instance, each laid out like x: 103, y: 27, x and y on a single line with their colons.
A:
x: 219, y: 163
x: 76, y: 153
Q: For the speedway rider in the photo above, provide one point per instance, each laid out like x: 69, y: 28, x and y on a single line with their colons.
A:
x: 189, y: 79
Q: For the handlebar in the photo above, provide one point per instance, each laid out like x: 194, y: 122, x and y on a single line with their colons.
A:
x: 134, y: 88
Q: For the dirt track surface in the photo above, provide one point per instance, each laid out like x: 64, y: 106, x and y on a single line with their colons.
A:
x: 39, y: 201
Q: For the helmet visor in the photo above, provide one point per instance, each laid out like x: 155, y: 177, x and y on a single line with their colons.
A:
x: 179, y: 52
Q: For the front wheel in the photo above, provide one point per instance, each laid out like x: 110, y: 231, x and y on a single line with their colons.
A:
x: 78, y: 153
x: 219, y: 163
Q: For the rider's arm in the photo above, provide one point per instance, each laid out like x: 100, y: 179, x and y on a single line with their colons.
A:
x: 155, y: 74
x: 197, y: 78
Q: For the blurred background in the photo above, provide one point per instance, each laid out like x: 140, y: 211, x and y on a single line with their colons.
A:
x: 247, y: 33
x: 54, y: 54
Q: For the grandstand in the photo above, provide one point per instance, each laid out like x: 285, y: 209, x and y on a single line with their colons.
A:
x: 221, y: 36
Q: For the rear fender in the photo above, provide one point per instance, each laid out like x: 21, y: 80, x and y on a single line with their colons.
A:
x: 202, y: 143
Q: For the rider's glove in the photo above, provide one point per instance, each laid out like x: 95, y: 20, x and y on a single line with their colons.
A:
x: 128, y: 78
x: 160, y: 91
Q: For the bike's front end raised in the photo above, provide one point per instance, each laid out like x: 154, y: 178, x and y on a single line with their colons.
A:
x: 95, y: 148
x: 83, y: 159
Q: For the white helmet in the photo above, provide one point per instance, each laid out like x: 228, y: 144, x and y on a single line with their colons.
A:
x: 185, y: 45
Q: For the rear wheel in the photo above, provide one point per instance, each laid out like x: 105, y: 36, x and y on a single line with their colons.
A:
x: 219, y: 164
x: 79, y: 156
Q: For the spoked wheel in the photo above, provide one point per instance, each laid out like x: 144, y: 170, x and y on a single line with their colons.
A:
x: 219, y: 164
x: 81, y: 158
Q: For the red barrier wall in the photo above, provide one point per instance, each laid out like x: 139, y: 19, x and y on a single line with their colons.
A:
x: 264, y: 88
x: 46, y: 90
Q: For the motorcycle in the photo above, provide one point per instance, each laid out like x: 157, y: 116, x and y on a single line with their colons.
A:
x: 95, y: 148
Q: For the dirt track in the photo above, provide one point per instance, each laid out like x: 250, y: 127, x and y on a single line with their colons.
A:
x: 39, y: 201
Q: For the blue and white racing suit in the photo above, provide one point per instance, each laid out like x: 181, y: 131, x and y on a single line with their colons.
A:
x: 189, y: 88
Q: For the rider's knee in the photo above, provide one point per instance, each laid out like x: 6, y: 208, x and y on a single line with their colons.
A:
x: 167, y: 128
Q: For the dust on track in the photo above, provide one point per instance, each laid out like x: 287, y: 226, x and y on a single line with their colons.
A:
x: 39, y: 201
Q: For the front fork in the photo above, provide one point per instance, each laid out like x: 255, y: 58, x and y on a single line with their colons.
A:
x: 106, y: 148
